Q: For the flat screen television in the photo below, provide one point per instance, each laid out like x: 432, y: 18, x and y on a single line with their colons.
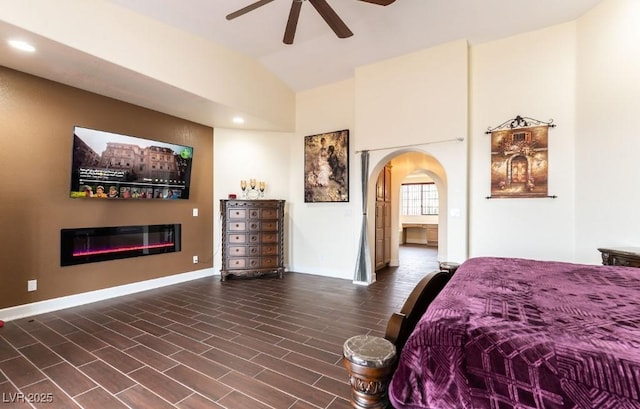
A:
x: 107, y: 165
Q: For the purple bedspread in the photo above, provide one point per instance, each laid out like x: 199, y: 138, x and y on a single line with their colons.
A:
x: 514, y: 333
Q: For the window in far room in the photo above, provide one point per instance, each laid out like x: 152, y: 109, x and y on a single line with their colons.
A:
x: 419, y: 199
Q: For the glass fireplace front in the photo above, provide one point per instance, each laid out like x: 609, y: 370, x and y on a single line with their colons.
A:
x: 93, y: 244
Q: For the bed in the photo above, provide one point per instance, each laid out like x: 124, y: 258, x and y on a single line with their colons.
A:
x: 515, y: 333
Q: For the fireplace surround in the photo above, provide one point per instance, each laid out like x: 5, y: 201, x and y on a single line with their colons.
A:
x: 93, y: 244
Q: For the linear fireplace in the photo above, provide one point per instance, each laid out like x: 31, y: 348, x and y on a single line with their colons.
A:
x: 92, y: 244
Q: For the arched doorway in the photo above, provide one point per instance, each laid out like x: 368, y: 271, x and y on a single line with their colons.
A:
x: 398, y: 166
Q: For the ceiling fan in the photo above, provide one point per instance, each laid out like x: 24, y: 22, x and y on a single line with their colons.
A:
x: 324, y: 9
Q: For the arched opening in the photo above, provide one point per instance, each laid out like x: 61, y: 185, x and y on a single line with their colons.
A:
x: 398, y: 166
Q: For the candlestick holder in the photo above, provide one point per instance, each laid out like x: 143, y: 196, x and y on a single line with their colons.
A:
x: 253, y: 190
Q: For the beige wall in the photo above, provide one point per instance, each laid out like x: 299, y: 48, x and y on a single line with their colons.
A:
x: 582, y: 74
x: 226, y: 80
x: 531, y: 75
x: 324, y: 236
x: 36, y: 123
x: 420, y: 99
x: 243, y: 155
x: 387, y: 104
x: 607, y: 142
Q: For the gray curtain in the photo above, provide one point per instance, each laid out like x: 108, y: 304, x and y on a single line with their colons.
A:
x: 364, y: 260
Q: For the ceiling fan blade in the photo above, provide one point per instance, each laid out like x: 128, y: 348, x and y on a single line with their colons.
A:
x: 292, y: 23
x: 379, y: 2
x: 247, y: 9
x: 333, y: 20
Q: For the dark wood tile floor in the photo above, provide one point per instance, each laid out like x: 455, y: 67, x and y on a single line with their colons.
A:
x: 245, y: 343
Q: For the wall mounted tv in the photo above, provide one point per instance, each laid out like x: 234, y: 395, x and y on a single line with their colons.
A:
x: 107, y: 165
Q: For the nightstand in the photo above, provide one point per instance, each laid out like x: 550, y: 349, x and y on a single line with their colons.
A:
x: 621, y: 256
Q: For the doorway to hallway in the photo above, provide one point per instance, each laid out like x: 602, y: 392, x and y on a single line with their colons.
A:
x: 415, y: 260
x: 418, y: 257
x: 404, y: 215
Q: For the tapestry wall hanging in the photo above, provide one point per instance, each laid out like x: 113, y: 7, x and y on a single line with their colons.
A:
x: 326, y: 167
x: 519, y: 158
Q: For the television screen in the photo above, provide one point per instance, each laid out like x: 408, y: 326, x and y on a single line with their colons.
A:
x: 112, y: 166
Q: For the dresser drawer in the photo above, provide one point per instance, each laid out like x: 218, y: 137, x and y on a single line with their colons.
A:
x: 254, y: 251
x: 237, y: 238
x: 243, y: 263
x: 625, y: 261
x: 254, y: 226
x: 269, y: 262
x: 236, y: 263
x: 270, y: 237
x: 237, y: 251
x: 237, y: 226
x: 269, y: 213
x: 269, y: 250
x: 237, y: 213
x: 271, y: 225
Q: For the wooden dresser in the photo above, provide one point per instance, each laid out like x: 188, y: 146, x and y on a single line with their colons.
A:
x: 252, y: 237
x: 621, y: 256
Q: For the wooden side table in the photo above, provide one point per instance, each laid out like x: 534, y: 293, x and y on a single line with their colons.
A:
x: 621, y: 256
x: 369, y: 361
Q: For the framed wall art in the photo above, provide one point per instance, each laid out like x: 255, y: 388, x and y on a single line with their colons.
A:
x: 326, y: 167
x: 520, y: 158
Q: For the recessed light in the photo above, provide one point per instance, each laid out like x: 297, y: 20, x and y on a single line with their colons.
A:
x: 22, y: 45
x: 238, y: 120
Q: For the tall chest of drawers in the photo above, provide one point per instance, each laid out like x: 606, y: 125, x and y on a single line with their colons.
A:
x: 252, y: 237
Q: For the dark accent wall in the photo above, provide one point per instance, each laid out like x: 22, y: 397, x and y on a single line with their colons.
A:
x: 37, y: 117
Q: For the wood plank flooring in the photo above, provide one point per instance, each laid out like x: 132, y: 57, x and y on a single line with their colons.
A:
x: 243, y: 343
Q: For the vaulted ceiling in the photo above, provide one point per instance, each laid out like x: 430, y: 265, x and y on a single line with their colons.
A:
x: 316, y: 57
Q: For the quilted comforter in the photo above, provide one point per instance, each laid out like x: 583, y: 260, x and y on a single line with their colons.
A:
x: 515, y: 333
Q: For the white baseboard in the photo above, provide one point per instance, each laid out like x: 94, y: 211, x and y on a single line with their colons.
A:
x: 41, y: 307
